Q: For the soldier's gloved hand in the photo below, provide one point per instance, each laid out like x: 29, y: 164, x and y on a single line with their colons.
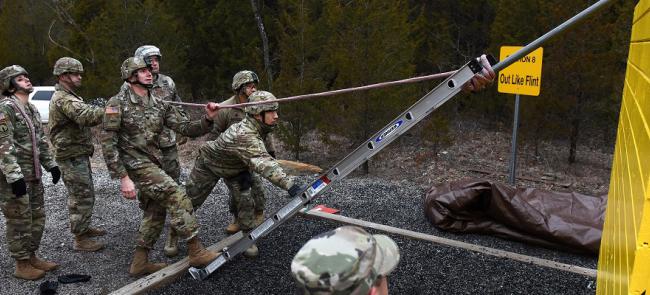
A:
x: 56, y: 174
x: 295, y: 189
x: 19, y: 187
x: 272, y: 153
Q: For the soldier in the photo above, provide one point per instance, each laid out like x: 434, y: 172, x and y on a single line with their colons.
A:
x: 23, y: 149
x: 237, y: 152
x: 165, y: 88
x: 347, y: 260
x: 244, y: 83
x: 70, y: 119
x: 133, y: 121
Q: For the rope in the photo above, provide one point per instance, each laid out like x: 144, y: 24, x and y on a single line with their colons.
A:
x: 327, y: 93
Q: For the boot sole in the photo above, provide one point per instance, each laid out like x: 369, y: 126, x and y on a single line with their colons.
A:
x: 46, y: 269
x: 192, y: 264
x: 30, y: 279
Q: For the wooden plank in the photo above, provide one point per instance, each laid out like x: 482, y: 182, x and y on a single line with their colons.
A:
x: 298, y: 168
x: 170, y: 273
x: 452, y: 243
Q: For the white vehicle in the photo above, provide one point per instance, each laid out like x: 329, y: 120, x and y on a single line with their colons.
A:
x: 40, y: 97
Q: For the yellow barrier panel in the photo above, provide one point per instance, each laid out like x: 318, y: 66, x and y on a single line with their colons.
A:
x: 624, y: 262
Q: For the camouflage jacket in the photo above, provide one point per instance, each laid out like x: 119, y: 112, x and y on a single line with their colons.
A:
x: 132, y: 127
x: 240, y: 148
x: 226, y: 117
x: 165, y: 88
x: 70, y: 121
x: 20, y: 159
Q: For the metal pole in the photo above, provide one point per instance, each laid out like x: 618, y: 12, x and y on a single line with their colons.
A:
x: 513, y: 156
x: 538, y: 42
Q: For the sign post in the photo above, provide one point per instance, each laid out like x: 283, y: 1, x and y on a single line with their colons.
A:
x: 522, y: 77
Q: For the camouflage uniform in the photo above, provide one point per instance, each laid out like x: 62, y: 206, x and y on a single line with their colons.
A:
x: 165, y: 88
x: 238, y: 150
x: 225, y: 118
x: 24, y: 215
x: 70, y: 121
x: 130, y: 143
x: 346, y: 260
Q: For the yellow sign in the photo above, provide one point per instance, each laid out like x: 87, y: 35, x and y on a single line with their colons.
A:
x: 524, y: 76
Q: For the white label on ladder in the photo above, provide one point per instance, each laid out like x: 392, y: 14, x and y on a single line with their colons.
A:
x: 296, y: 202
x: 319, y: 185
x: 261, y: 229
x: 389, y: 130
x: 216, y: 263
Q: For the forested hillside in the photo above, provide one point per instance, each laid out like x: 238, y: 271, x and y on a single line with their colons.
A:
x: 299, y: 46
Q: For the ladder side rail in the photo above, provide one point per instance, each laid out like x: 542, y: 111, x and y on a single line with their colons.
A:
x: 428, y: 103
x: 418, y: 111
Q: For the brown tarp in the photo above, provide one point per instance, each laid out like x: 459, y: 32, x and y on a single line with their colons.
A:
x: 567, y: 221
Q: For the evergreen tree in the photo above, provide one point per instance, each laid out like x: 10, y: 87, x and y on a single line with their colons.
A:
x: 299, y: 33
x: 370, y: 42
x: 105, y: 33
x: 222, y: 39
x: 23, y: 31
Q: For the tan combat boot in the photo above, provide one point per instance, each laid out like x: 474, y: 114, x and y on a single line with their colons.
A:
x: 84, y: 243
x: 42, y: 264
x: 95, y: 232
x: 252, y: 251
x: 141, y: 265
x: 171, y: 245
x: 233, y: 227
x: 259, y: 217
x: 199, y: 256
x: 25, y: 271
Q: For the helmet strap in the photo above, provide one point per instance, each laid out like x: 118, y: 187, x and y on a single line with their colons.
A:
x: 263, y: 120
x: 148, y: 86
x: 137, y: 81
x: 18, y: 88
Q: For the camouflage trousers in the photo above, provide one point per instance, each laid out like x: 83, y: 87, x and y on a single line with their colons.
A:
x: 24, y: 218
x: 78, y: 179
x: 170, y: 162
x: 257, y: 193
x: 158, y: 194
x: 205, y: 176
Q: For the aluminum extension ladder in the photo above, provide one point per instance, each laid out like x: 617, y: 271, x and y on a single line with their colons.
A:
x: 427, y: 104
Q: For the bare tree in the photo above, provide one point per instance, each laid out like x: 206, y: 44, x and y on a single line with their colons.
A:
x: 265, y: 44
x: 66, y: 18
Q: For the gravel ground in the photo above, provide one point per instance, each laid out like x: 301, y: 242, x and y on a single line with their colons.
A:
x: 424, y: 268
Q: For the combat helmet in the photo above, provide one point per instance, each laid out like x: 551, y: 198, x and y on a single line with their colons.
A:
x: 67, y: 65
x: 347, y: 260
x: 146, y: 52
x: 258, y: 96
x: 8, y: 73
x: 242, y: 78
x: 131, y: 65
